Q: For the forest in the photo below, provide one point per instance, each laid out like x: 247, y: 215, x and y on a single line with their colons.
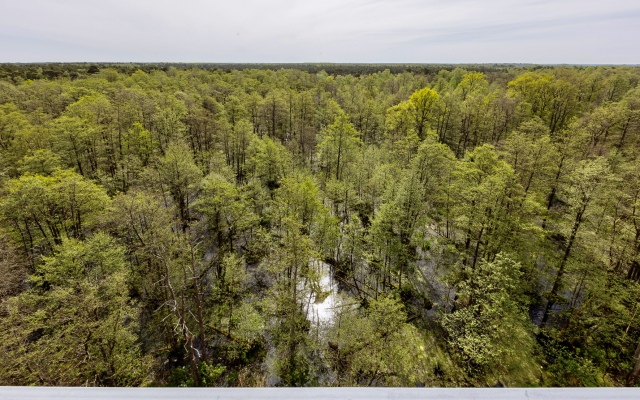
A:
x: 319, y: 225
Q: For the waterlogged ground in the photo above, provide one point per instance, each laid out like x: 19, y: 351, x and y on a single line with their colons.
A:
x: 324, y: 299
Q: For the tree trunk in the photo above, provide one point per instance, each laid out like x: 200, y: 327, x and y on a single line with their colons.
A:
x: 633, y: 376
x: 556, y: 284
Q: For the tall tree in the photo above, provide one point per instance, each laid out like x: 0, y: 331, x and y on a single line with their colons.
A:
x: 337, y: 149
x: 588, y: 184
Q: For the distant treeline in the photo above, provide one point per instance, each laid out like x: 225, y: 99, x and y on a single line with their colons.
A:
x: 81, y: 70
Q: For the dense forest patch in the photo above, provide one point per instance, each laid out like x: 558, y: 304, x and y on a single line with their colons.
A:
x: 165, y: 225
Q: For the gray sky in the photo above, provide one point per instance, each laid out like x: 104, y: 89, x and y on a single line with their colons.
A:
x: 367, y: 31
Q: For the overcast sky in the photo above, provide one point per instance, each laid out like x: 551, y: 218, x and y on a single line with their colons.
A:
x: 367, y: 31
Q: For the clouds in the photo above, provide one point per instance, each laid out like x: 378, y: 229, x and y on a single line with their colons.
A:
x: 561, y: 31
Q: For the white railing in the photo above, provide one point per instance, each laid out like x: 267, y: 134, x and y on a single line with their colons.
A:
x: 59, y: 393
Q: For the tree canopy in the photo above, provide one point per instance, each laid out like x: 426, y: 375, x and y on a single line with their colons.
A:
x: 367, y: 225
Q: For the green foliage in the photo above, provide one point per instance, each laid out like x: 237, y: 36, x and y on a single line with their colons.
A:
x: 178, y: 224
x: 78, y: 318
x: 568, y: 368
x: 209, y: 375
x: 377, y: 346
x: 41, y: 162
x: 422, y: 105
x: 340, y: 142
x: 268, y: 161
x: 177, y: 174
x: 46, y: 209
x: 489, y: 328
x: 226, y: 209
